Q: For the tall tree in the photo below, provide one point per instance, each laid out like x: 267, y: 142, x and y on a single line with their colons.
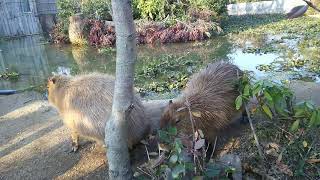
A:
x: 116, y: 127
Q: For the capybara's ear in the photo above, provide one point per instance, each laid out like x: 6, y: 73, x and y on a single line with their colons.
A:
x: 53, y: 79
x: 170, y: 101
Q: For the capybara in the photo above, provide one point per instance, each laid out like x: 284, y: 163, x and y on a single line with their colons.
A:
x: 85, y: 102
x: 211, y: 95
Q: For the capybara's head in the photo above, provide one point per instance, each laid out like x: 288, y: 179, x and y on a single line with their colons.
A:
x: 54, y: 85
x: 172, y: 114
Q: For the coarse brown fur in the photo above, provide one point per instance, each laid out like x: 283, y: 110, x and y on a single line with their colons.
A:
x: 85, y: 104
x: 211, y: 94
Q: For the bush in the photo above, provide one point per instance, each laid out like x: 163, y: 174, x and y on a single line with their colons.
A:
x: 160, y: 9
x: 97, y: 9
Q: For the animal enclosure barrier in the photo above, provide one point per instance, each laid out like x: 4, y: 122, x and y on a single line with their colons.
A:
x: 21, y: 17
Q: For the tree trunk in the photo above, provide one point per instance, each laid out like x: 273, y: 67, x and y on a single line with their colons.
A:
x: 116, y: 127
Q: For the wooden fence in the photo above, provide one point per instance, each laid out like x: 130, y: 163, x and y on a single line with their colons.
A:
x: 21, y: 17
x: 27, y: 56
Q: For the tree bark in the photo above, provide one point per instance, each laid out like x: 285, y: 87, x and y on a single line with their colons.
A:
x: 116, y: 127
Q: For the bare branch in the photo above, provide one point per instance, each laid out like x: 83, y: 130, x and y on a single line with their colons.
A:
x: 312, y: 5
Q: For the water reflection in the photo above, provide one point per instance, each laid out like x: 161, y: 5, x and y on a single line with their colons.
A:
x: 35, y: 60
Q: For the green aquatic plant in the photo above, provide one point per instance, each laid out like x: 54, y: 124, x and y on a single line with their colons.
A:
x: 10, y: 75
x: 165, y: 73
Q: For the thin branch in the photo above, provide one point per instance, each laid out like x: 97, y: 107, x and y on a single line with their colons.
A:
x: 312, y: 5
x: 251, y: 125
x: 254, y: 133
x: 193, y: 130
x: 147, y: 152
x: 214, y: 147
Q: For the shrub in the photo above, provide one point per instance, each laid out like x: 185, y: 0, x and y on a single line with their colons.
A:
x: 161, y: 9
x: 97, y: 9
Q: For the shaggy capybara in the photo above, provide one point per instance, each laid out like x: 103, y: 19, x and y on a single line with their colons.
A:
x: 211, y: 95
x: 85, y: 102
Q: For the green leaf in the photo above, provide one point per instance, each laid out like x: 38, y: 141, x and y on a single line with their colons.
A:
x: 317, y: 122
x: 164, y: 136
x: 246, y: 91
x: 173, y: 159
x: 309, y: 105
x: 256, y: 89
x: 172, y: 131
x: 313, y: 119
x: 299, y: 112
x: 197, y: 178
x: 295, y: 125
x: 268, y: 96
x: 189, y: 166
x: 177, y: 170
x: 238, y: 102
x: 267, y: 110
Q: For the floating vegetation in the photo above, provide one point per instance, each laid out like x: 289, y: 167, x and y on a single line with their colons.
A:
x: 165, y: 73
x: 9, y: 75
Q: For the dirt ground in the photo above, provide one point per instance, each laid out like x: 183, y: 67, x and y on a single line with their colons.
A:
x: 34, y: 144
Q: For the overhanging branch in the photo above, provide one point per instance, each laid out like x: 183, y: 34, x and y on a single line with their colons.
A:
x: 312, y: 5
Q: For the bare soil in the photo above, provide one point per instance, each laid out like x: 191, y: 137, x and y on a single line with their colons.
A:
x: 34, y: 144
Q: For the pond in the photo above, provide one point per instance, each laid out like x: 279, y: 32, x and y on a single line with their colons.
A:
x: 162, y: 69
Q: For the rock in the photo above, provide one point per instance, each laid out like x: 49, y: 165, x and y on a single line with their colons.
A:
x: 76, y: 27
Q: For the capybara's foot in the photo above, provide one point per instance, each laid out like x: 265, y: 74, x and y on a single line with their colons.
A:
x: 74, y: 147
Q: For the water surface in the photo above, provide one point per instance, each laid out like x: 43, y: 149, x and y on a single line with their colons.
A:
x: 36, y: 60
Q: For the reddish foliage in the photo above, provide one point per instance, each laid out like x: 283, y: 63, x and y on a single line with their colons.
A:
x: 56, y: 35
x: 101, y: 34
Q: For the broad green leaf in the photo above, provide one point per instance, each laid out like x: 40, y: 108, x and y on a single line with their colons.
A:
x: 267, y: 96
x: 238, y: 102
x: 267, y: 110
x: 299, y: 112
x: 256, y: 89
x: 295, y: 125
x: 309, y: 105
x: 313, y: 119
x: 173, y: 159
x: 172, y: 131
x: 317, y: 123
x: 163, y: 136
x: 177, y: 170
x: 246, y: 91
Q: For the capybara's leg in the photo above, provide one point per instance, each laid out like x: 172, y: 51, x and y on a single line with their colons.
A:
x: 75, y: 141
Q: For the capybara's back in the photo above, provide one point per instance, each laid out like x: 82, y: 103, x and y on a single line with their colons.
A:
x: 211, y: 94
x: 85, y: 104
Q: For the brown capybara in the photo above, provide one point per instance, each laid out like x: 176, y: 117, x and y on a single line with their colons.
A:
x: 85, y: 102
x: 211, y: 94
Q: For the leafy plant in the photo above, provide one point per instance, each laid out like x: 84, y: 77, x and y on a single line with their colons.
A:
x: 276, y: 101
x: 183, y: 158
x: 9, y: 75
